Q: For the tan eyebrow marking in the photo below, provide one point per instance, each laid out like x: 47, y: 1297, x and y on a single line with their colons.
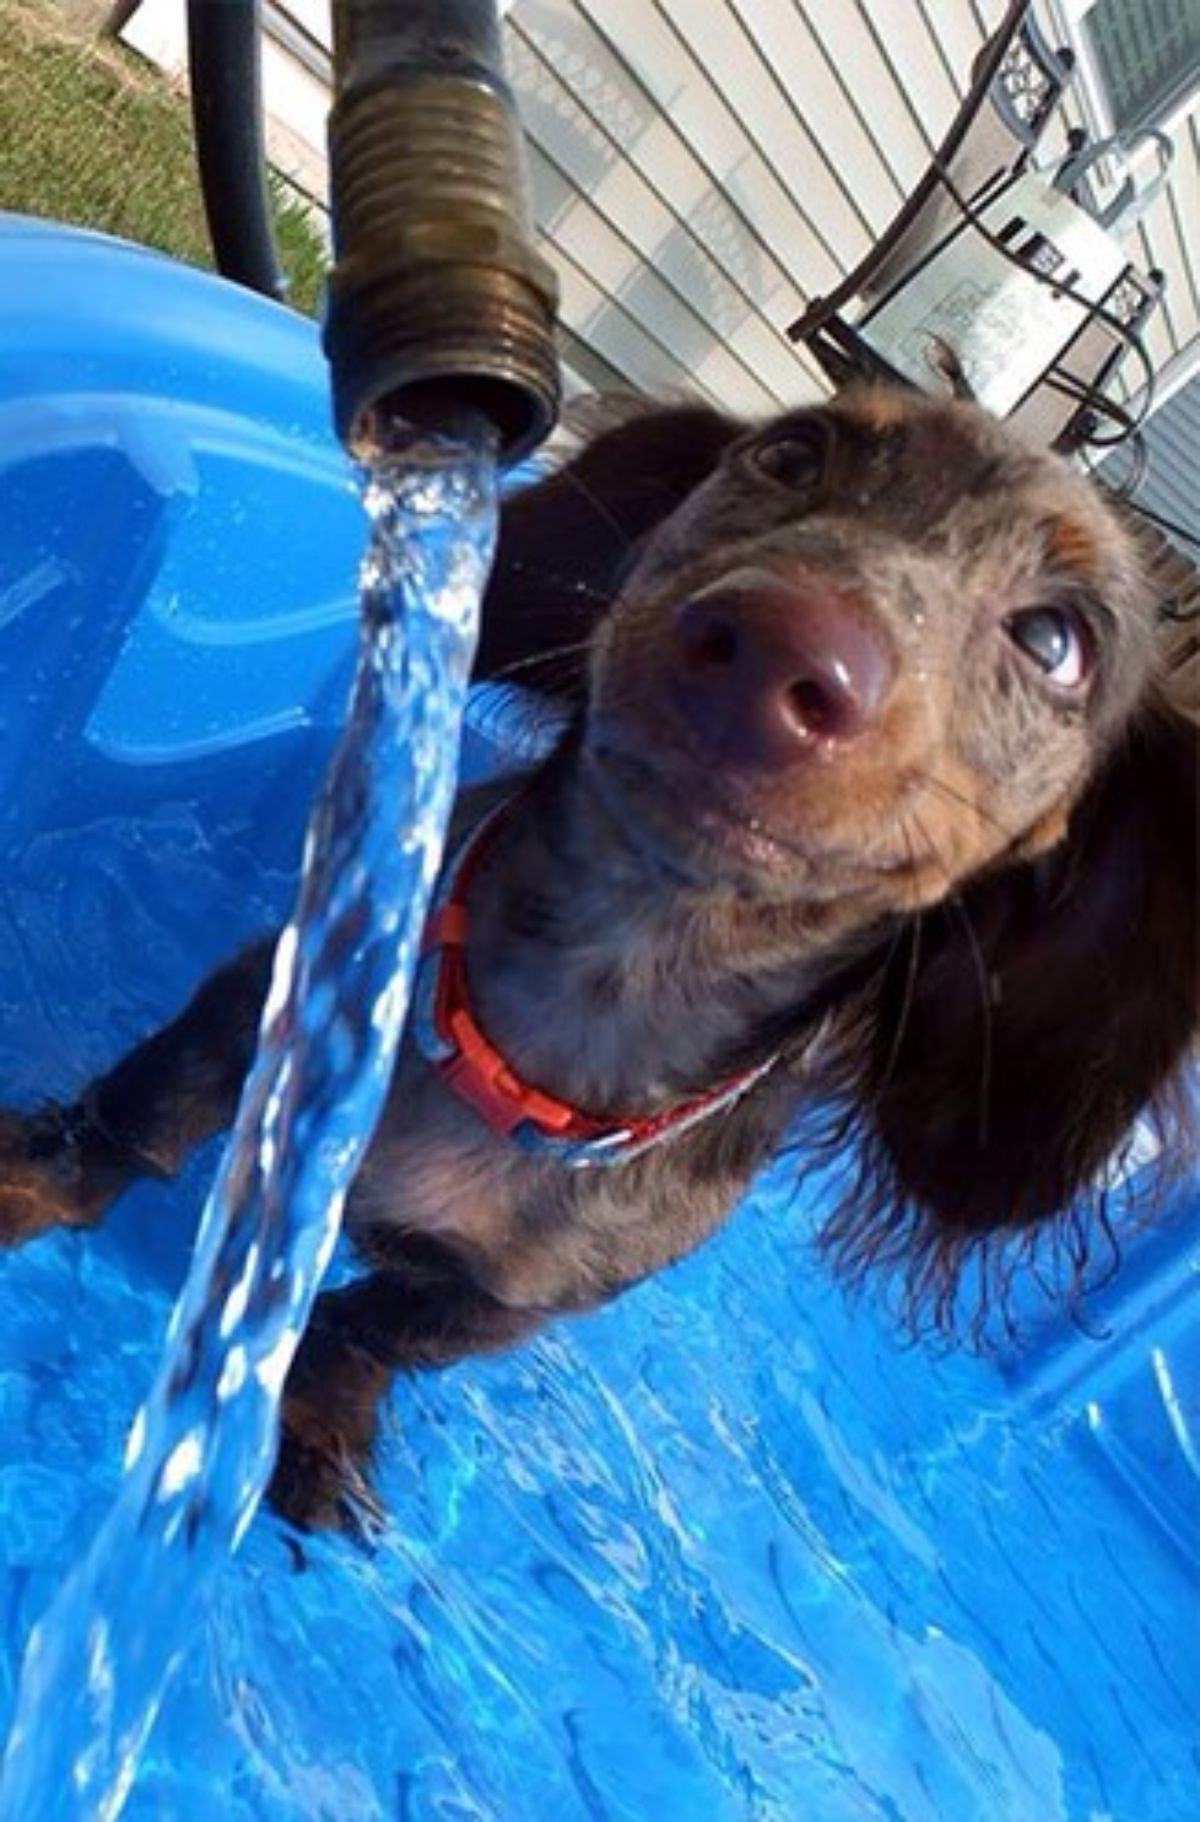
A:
x: 879, y: 408
x: 1072, y: 546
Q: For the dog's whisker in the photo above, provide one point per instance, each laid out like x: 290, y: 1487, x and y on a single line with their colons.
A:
x: 544, y: 662
x: 954, y: 900
x: 594, y: 500
x: 934, y: 783
x: 913, y: 930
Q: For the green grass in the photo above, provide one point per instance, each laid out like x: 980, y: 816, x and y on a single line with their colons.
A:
x: 91, y: 134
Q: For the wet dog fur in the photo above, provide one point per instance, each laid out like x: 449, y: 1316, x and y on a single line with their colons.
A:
x: 869, y: 771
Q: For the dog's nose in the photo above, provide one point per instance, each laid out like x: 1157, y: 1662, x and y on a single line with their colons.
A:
x: 770, y: 666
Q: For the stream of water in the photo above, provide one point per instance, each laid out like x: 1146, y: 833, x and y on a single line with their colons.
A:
x: 200, y: 1450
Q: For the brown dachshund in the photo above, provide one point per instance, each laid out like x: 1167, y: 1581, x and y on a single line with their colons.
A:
x: 870, y: 808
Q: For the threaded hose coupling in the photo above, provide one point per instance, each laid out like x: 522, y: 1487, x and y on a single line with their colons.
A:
x: 439, y: 304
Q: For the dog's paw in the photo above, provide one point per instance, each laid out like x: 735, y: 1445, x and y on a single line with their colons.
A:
x: 44, y: 1180
x: 321, y: 1480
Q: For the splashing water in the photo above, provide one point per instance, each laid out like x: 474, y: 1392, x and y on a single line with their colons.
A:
x: 201, y: 1449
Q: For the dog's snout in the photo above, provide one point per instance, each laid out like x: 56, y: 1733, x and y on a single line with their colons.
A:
x: 770, y: 666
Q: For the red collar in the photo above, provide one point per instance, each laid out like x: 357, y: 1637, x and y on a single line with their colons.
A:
x: 450, y: 1038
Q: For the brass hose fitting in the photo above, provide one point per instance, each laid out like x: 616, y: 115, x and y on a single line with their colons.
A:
x: 439, y: 303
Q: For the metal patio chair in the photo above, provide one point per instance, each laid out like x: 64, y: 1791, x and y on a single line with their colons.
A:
x: 1017, y: 83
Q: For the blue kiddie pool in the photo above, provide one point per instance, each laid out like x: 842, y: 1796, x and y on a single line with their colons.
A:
x: 727, y: 1551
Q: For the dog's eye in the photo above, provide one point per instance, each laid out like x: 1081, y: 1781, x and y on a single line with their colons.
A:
x: 1057, y: 641
x: 793, y: 457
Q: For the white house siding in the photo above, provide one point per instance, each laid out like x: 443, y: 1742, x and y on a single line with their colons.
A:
x: 701, y: 168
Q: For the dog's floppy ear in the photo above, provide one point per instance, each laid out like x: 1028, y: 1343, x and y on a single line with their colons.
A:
x: 566, y: 540
x: 1032, y: 1021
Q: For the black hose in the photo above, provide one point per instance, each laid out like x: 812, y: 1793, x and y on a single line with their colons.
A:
x: 374, y: 40
x: 224, y: 65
